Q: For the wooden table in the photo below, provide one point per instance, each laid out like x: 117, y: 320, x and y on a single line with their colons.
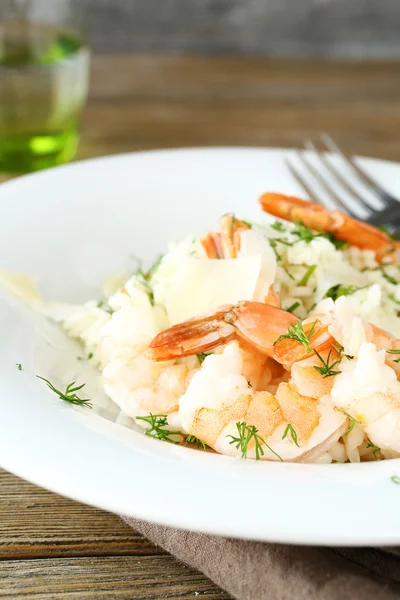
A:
x: 51, y: 547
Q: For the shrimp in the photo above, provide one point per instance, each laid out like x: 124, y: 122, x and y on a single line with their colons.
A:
x: 345, y: 228
x: 253, y: 322
x: 140, y: 386
x: 137, y: 385
x: 226, y: 243
x: 219, y: 398
x: 329, y: 350
x: 368, y: 390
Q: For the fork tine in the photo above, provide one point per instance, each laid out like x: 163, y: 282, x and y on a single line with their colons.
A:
x: 324, y: 184
x: 333, y: 147
x: 338, y: 177
x: 302, y: 182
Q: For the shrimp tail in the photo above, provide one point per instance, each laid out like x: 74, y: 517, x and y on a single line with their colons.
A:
x: 344, y: 228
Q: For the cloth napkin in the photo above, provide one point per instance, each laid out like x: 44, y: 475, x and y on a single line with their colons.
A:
x: 261, y: 571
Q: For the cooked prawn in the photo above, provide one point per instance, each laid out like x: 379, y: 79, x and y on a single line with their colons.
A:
x: 308, y: 394
x: 226, y: 243
x: 253, y: 322
x: 218, y: 398
x: 345, y: 228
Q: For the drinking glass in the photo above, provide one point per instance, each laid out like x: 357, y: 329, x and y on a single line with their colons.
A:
x: 44, y: 64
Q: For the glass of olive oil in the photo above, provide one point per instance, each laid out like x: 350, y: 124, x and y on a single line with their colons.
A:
x: 44, y: 64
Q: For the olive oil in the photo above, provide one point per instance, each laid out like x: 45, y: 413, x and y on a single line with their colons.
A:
x: 43, y: 87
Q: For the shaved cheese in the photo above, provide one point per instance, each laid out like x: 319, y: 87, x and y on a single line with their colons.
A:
x: 199, y: 286
x: 253, y: 243
x: 24, y: 288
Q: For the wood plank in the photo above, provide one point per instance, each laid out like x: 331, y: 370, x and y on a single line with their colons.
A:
x: 37, y: 523
x: 160, y: 102
x: 125, y: 577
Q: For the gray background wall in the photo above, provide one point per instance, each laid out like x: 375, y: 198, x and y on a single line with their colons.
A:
x: 304, y: 28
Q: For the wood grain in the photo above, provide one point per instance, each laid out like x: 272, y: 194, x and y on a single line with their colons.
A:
x: 51, y: 547
x: 127, y: 577
x: 146, y: 102
x: 38, y: 524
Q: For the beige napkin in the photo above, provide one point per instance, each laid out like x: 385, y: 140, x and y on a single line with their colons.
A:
x: 260, y: 571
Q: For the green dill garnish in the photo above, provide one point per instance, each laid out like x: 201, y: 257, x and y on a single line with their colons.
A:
x: 339, y: 244
x: 307, y: 275
x: 273, y: 244
x: 293, y: 307
x: 388, y: 277
x: 156, y: 429
x: 289, y: 430
x: 143, y: 280
x: 395, y: 479
x: 275, y: 409
x: 297, y: 333
x: 104, y: 306
x: 246, y: 433
x: 202, y: 355
x: 191, y: 439
x: 396, y: 360
x: 393, y: 299
x: 278, y: 226
x: 385, y: 275
x: 19, y: 366
x: 352, y: 420
x: 249, y: 225
x: 153, y: 268
x: 70, y: 393
x: 89, y: 357
x: 304, y: 233
x: 288, y: 273
x: 340, y: 350
x: 327, y: 370
x: 376, y: 448
x: 336, y: 291
x: 249, y: 383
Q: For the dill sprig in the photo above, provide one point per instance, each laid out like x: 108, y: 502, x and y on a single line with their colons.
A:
x: 246, y: 433
x: 278, y: 226
x: 290, y: 431
x: 395, y: 479
x: 393, y: 299
x: 88, y: 357
x: 153, y: 268
x: 293, y: 307
x: 336, y: 291
x: 352, y: 420
x: 202, y: 356
x: 19, y: 366
x: 327, y: 370
x: 70, y: 393
x: 384, y: 274
x: 297, y: 333
x: 306, y: 234
x: 396, y: 360
x: 340, y: 350
x: 376, y: 448
x: 157, y: 428
x: 307, y: 275
x: 191, y: 439
x: 143, y: 280
x: 104, y: 306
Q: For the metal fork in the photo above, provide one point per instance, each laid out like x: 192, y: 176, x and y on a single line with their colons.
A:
x: 385, y: 212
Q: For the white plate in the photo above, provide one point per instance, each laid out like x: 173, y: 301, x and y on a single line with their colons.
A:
x: 71, y: 226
